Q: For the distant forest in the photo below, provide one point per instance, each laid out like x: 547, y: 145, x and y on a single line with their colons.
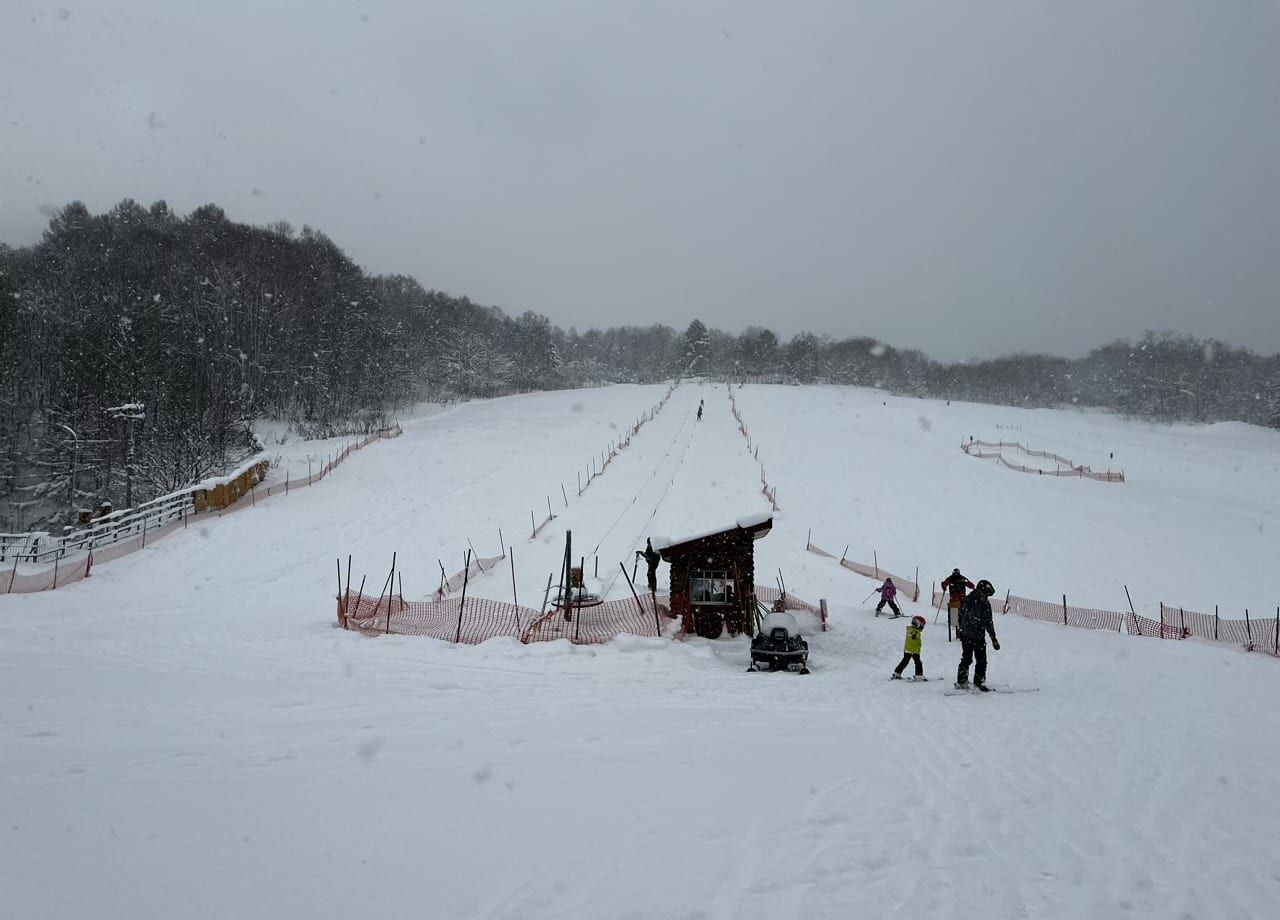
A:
x: 137, y: 346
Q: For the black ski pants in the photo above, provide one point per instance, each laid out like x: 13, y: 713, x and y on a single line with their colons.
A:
x: 910, y: 656
x: 975, y: 653
x: 892, y: 606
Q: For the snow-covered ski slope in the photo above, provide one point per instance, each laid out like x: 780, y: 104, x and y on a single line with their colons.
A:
x: 186, y: 734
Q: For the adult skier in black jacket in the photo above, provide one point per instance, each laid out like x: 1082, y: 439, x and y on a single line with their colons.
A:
x: 974, y: 627
x: 651, y: 558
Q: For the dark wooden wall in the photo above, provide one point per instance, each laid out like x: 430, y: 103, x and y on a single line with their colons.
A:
x: 732, y: 552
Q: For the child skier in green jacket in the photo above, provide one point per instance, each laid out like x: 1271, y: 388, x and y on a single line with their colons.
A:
x: 911, y: 650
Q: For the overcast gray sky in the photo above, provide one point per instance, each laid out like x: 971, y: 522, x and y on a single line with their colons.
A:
x: 968, y: 178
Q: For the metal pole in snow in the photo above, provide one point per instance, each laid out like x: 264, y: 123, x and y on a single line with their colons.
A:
x: 657, y: 621
x: 462, y: 603
x: 547, y: 593
x: 342, y: 615
x: 346, y: 602
x: 515, y: 599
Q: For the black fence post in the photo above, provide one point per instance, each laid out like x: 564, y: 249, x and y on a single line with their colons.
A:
x: 462, y: 603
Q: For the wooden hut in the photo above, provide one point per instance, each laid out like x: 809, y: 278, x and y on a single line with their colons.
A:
x: 712, y: 575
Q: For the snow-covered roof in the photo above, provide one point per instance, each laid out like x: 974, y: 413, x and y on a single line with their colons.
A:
x: 755, y: 522
x: 752, y: 521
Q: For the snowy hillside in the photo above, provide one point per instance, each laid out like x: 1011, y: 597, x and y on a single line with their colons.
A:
x: 187, y: 734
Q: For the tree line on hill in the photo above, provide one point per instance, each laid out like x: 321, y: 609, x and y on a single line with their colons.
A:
x: 137, y: 346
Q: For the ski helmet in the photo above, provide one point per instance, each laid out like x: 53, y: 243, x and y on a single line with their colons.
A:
x: 955, y: 571
x: 917, y: 621
x: 986, y: 587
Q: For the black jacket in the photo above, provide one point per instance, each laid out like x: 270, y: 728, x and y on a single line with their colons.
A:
x: 651, y: 557
x: 954, y: 584
x: 975, y: 618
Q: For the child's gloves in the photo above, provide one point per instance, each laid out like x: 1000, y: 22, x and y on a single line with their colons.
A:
x: 995, y: 644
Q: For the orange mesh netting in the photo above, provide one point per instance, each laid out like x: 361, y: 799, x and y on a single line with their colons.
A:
x: 1258, y: 635
x: 1073, y: 469
x: 478, y: 619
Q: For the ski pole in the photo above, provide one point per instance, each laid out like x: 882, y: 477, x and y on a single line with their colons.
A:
x: 868, y: 597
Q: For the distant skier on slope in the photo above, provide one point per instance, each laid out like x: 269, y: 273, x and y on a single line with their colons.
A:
x: 974, y: 626
x: 911, y: 649
x: 888, y: 591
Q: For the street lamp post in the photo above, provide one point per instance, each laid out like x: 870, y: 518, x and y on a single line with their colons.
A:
x: 75, y: 463
x: 130, y: 412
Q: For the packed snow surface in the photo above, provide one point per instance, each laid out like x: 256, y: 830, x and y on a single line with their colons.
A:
x: 187, y: 734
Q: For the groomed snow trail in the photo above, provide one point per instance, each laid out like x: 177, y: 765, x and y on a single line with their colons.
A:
x: 187, y: 734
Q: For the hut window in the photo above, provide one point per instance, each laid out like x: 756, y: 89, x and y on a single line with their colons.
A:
x: 710, y: 587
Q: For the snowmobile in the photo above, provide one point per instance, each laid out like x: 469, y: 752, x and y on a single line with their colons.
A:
x: 778, y: 645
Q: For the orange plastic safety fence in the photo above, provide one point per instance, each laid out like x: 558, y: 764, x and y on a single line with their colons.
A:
x: 470, y: 620
x: 906, y: 586
x: 1258, y: 635
x: 1073, y: 469
x: 477, y: 619
x: 1261, y: 635
x: 1082, y: 617
x: 597, y: 624
x: 769, y: 597
x: 476, y: 568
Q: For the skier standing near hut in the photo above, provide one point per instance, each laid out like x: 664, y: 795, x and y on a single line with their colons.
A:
x: 651, y: 559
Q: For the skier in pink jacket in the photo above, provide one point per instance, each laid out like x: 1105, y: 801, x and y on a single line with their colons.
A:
x: 888, y: 592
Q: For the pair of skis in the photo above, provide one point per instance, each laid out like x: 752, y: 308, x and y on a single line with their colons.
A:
x: 978, y: 691
x: 972, y: 690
